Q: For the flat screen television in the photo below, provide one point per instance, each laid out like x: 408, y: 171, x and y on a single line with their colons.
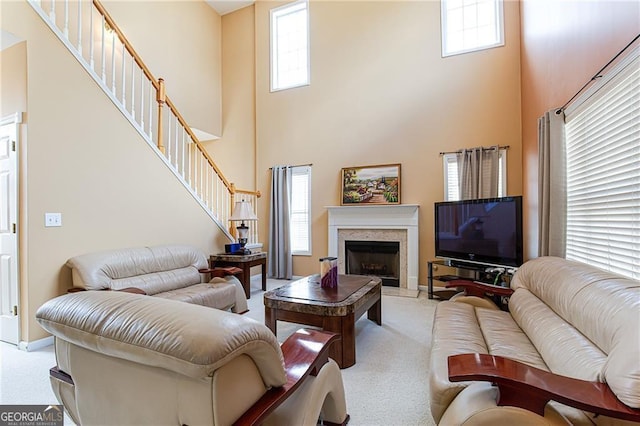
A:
x: 487, y: 231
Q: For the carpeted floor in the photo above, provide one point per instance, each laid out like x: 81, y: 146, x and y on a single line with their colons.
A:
x: 387, y: 385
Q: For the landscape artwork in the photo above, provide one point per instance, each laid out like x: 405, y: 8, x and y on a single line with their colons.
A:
x: 371, y: 185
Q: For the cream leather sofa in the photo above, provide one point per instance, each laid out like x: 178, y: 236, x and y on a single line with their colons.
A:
x: 565, y: 318
x: 129, y: 359
x: 169, y: 272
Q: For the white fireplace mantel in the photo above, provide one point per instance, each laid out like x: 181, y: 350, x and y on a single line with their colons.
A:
x: 399, y: 216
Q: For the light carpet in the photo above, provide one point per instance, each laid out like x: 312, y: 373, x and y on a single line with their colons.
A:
x: 388, y: 385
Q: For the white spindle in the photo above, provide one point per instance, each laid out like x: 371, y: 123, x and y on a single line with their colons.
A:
x: 80, y: 27
x: 151, y: 108
x: 52, y: 12
x: 184, y: 160
x: 142, y: 85
x: 124, y: 78
x: 169, y: 144
x: 133, y: 88
x: 102, y: 51
x: 113, y: 63
x: 66, y: 18
x: 91, y: 62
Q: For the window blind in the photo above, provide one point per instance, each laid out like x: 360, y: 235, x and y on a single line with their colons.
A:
x: 300, y: 210
x: 603, y: 174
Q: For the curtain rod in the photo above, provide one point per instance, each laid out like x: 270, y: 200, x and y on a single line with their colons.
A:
x: 483, y: 148
x: 597, y: 75
x: 298, y: 165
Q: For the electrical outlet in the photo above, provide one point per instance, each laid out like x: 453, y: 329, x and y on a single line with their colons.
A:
x: 52, y: 219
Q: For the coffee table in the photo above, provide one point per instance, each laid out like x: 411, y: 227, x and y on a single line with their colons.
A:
x: 334, y: 310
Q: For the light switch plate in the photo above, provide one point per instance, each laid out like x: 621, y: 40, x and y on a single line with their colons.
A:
x: 52, y: 219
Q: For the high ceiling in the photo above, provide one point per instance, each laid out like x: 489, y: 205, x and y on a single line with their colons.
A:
x: 227, y: 6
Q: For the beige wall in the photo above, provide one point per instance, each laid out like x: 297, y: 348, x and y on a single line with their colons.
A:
x: 179, y: 41
x: 13, y: 79
x: 88, y: 163
x: 236, y: 147
x: 381, y: 93
x: 564, y: 44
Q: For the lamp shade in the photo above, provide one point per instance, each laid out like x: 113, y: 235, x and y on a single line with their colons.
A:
x: 243, y: 211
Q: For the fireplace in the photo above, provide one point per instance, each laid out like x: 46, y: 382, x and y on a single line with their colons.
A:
x: 382, y: 223
x: 378, y: 258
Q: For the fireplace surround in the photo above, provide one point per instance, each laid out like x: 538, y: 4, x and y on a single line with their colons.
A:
x: 398, y: 223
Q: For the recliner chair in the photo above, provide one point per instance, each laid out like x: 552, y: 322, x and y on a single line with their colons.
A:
x: 131, y: 359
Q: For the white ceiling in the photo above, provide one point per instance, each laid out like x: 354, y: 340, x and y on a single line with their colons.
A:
x: 227, y: 6
x: 8, y: 39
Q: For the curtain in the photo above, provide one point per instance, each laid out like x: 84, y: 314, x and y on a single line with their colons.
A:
x: 280, y: 257
x: 478, y: 172
x: 552, y: 177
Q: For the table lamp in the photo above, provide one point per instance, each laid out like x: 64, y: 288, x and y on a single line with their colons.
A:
x: 242, y: 211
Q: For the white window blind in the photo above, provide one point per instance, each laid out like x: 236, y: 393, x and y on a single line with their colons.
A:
x: 289, y: 46
x: 451, y: 181
x: 470, y: 25
x: 603, y: 173
x: 301, y: 210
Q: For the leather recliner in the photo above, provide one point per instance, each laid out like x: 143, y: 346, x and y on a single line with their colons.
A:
x: 131, y: 359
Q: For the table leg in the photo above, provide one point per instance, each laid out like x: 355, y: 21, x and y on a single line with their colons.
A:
x: 375, y: 312
x: 246, y: 279
x: 270, y: 319
x: 264, y: 275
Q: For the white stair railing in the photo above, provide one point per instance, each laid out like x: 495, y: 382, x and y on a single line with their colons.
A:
x: 95, y: 40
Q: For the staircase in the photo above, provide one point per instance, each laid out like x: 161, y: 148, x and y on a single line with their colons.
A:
x: 94, y: 39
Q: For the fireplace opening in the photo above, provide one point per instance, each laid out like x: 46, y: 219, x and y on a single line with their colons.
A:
x: 378, y: 258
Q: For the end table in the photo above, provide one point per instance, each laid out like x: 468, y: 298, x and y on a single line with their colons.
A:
x: 244, y: 262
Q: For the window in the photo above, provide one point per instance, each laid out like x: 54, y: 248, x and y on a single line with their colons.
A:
x: 451, y: 185
x: 469, y: 25
x: 602, y: 132
x: 301, y: 210
x: 289, y: 46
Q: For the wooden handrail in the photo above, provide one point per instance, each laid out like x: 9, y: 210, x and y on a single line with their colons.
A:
x: 126, y: 43
x: 530, y: 388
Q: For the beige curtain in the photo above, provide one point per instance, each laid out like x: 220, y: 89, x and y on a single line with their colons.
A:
x: 552, y: 192
x: 478, y: 172
x: 280, y: 255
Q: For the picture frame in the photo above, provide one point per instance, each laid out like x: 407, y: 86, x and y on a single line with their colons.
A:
x: 370, y: 185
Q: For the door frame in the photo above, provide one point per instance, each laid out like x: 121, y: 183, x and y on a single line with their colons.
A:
x: 15, y: 119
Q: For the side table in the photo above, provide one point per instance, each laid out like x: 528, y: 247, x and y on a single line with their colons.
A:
x: 244, y: 262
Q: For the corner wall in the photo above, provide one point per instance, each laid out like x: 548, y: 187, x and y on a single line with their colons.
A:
x: 564, y: 43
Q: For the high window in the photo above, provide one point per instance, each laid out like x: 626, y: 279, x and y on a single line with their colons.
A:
x: 602, y: 132
x: 451, y: 178
x: 469, y: 25
x: 301, y: 210
x: 289, y: 46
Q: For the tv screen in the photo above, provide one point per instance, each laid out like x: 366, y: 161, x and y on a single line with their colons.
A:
x: 485, y: 231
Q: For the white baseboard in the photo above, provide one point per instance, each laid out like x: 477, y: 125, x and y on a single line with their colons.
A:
x: 36, y: 344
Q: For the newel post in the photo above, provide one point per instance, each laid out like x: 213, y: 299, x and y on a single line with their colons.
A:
x: 161, y: 99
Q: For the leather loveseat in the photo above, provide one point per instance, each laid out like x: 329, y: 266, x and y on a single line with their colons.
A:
x: 170, y: 272
x: 566, y: 352
x: 129, y: 359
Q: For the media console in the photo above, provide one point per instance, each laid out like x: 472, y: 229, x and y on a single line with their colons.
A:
x: 444, y: 270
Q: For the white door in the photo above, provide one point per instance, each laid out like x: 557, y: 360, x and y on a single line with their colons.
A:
x: 9, y: 323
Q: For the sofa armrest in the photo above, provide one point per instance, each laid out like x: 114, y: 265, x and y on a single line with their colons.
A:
x: 221, y: 271
x: 530, y: 388
x: 478, y: 289
x: 305, y: 352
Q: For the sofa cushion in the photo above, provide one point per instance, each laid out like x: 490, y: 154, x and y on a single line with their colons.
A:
x: 219, y: 296
x: 586, y: 322
x: 152, y: 331
x: 151, y: 269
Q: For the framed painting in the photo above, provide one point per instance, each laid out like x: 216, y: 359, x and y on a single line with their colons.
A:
x: 371, y: 185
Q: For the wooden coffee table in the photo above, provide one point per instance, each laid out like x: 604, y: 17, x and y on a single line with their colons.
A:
x: 335, y: 310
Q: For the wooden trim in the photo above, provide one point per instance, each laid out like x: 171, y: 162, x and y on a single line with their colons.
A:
x: 531, y: 388
x: 305, y: 352
x: 221, y: 271
x: 478, y: 289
